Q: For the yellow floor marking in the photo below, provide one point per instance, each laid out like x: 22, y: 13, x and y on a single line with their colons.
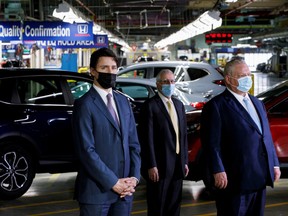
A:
x: 55, y: 212
x: 36, y: 204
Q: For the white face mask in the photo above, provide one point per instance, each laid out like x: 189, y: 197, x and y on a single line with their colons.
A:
x: 244, y: 83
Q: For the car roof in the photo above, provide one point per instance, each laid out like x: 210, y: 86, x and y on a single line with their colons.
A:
x: 18, y: 72
x: 149, y: 82
x: 167, y: 64
x: 281, y: 85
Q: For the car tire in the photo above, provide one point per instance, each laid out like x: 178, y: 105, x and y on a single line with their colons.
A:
x: 17, y: 170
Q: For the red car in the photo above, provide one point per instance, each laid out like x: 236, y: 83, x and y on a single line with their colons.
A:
x: 276, y: 103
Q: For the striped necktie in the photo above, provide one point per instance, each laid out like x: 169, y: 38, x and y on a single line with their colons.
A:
x: 111, y: 109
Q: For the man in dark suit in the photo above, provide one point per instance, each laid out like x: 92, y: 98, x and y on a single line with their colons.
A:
x: 238, y: 150
x: 163, y: 138
x: 106, y: 144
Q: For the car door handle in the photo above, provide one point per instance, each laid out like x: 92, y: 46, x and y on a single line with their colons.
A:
x: 50, y: 121
x: 27, y: 111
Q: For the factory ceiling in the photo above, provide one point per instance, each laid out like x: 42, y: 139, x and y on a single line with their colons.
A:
x: 151, y: 20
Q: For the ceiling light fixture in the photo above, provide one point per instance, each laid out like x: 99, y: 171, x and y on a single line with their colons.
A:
x: 231, y: 1
x: 245, y: 38
x: 69, y: 14
x: 208, y: 21
x: 244, y: 46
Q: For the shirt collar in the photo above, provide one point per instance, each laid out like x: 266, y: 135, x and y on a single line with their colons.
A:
x: 238, y: 96
x: 102, y: 92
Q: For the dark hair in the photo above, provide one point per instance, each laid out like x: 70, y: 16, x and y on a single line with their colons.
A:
x: 102, y: 52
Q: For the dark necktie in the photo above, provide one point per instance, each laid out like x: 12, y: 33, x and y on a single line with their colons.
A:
x: 111, y: 109
x: 252, y: 112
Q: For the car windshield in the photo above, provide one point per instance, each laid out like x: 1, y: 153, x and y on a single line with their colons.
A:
x: 273, y: 92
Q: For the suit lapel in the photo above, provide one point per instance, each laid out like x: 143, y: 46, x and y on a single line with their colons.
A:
x: 259, y: 110
x: 177, y: 107
x: 238, y: 108
x: 163, y: 108
x: 120, y: 108
x: 103, y: 108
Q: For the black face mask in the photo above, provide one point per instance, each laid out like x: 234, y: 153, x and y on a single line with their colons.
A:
x: 106, y: 80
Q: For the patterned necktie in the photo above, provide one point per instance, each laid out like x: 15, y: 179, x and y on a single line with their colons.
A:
x: 111, y: 109
x: 252, y: 113
x: 175, y: 125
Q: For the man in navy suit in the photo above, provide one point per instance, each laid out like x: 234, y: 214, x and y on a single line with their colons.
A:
x: 239, y: 151
x: 106, y: 144
x: 164, y: 153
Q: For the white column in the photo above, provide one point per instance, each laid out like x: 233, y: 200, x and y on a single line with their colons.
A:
x: 41, y: 57
x: 80, y: 54
x: 0, y: 51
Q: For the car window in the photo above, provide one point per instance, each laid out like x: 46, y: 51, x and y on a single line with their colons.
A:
x: 136, y: 91
x: 79, y: 88
x: 179, y: 74
x: 195, y: 73
x: 40, y: 91
x: 137, y: 73
x: 7, y: 93
x: 281, y: 108
x: 31, y: 91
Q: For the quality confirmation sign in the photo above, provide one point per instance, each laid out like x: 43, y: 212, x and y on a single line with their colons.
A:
x: 50, y: 31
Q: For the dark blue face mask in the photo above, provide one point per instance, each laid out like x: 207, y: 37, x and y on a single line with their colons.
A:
x: 106, y: 80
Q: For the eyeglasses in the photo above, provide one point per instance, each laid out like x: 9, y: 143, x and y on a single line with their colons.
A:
x: 241, y: 75
x: 167, y: 81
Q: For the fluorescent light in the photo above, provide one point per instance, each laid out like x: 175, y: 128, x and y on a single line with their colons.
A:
x: 244, y: 46
x: 245, y: 38
x: 69, y: 14
x: 208, y: 21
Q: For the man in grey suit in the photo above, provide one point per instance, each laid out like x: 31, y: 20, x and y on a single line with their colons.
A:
x: 238, y: 146
x: 163, y: 138
x: 106, y: 144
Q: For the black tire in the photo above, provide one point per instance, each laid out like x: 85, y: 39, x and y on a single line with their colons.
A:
x: 17, y: 170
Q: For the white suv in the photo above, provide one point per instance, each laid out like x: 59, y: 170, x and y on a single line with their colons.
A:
x: 198, y: 81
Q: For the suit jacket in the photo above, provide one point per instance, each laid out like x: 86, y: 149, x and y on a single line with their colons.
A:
x: 233, y: 143
x: 158, y: 138
x: 105, y: 151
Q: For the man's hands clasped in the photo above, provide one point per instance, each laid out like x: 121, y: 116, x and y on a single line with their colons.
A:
x: 125, y: 186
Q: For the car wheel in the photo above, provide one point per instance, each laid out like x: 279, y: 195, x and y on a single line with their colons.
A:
x: 17, y: 171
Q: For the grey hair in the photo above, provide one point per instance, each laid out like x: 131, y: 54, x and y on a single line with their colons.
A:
x: 229, y: 67
x: 163, y: 71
